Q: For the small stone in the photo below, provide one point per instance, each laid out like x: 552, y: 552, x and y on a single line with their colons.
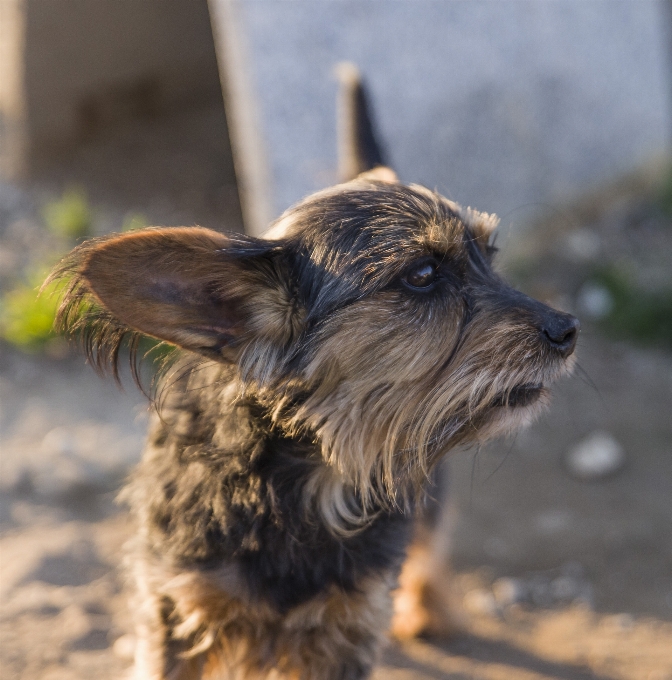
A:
x: 508, y: 591
x: 59, y: 442
x: 564, y: 588
x: 124, y: 647
x: 584, y: 244
x: 60, y: 468
x: 480, y: 601
x: 595, y: 301
x: 597, y: 456
x: 540, y: 591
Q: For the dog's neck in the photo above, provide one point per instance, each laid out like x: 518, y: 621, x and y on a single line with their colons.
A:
x: 220, y: 484
x: 211, y: 414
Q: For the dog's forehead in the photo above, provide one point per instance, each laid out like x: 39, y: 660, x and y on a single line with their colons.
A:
x: 352, y: 240
x: 373, y: 219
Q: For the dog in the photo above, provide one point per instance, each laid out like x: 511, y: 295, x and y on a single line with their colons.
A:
x: 323, y: 371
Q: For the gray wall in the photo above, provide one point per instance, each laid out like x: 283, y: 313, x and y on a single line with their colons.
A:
x: 504, y: 105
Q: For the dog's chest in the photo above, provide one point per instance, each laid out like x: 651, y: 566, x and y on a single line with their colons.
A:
x: 205, y: 507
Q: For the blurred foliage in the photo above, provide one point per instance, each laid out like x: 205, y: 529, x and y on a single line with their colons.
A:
x: 665, y: 196
x: 636, y: 314
x: 26, y: 317
x: 134, y: 221
x: 26, y: 314
x: 70, y: 216
x: 27, y: 311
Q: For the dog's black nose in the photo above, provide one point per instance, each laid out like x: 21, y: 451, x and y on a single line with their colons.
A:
x: 560, y: 331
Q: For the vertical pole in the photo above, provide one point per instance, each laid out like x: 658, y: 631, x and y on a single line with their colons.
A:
x: 242, y: 112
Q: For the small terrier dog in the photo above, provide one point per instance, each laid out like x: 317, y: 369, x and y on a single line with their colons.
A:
x: 325, y: 370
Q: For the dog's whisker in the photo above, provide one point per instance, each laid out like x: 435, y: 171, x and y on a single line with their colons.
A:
x: 472, y: 476
x: 585, y: 377
x: 504, y: 459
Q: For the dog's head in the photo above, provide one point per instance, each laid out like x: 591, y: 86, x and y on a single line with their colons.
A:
x: 370, y: 317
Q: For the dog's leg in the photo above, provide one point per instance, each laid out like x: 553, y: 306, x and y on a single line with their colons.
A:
x: 157, y: 655
x: 422, y: 602
x: 148, y: 663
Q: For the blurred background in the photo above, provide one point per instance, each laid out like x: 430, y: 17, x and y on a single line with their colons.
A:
x: 555, y: 114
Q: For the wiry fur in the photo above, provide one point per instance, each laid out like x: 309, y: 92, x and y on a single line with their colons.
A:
x: 274, y: 495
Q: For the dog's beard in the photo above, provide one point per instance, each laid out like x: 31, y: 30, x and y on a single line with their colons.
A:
x: 381, y: 444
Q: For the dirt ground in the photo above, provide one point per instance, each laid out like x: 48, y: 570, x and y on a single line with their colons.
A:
x: 554, y: 577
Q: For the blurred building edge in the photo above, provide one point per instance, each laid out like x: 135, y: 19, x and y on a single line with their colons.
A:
x: 74, y: 68
x: 72, y: 71
x: 242, y: 112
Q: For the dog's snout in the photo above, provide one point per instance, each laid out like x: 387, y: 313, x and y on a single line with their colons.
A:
x: 560, y: 331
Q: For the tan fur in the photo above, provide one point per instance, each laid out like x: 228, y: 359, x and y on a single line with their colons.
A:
x: 379, y: 405
x: 422, y: 603
x: 481, y: 224
x: 218, y: 632
x: 385, y: 381
x: 183, y: 262
x: 380, y: 173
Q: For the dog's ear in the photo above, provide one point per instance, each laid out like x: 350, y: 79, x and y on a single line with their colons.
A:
x: 198, y: 289
x: 481, y: 225
x: 381, y: 173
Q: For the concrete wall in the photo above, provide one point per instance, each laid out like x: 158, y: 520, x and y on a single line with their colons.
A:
x: 78, y: 67
x: 502, y: 105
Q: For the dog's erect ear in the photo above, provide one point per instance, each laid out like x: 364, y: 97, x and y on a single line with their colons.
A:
x: 482, y: 225
x: 380, y: 173
x: 195, y: 288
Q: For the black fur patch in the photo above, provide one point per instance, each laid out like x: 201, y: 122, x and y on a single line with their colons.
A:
x: 244, y: 502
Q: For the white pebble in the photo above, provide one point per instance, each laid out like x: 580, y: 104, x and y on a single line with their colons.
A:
x: 595, y: 301
x: 584, y: 244
x: 59, y: 442
x: 479, y: 601
x: 565, y: 588
x: 508, y: 591
x: 59, y: 468
x: 595, y: 457
x: 124, y: 647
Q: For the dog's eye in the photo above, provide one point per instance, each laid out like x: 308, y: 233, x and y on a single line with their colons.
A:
x: 422, y: 275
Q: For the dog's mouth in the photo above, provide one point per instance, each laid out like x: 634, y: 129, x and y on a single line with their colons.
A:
x: 519, y: 396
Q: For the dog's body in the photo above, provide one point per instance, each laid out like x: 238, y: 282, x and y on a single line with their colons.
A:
x: 340, y: 359
x: 234, y: 558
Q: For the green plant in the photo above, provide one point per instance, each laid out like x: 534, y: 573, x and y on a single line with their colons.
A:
x: 70, y: 216
x: 134, y: 221
x: 27, y: 315
x: 636, y: 314
x: 665, y: 194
